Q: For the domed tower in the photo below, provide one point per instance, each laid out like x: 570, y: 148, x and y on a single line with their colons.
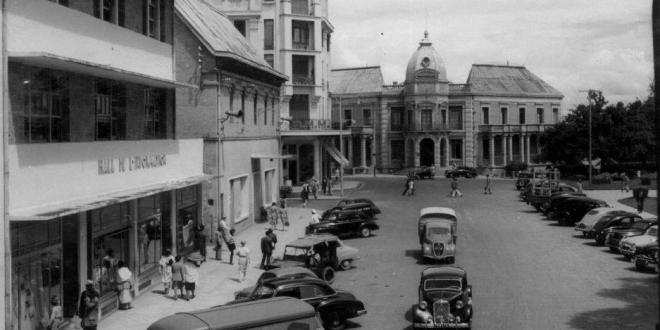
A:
x: 426, y: 98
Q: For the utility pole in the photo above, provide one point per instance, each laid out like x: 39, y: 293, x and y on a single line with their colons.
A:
x: 341, y: 148
x: 589, y: 92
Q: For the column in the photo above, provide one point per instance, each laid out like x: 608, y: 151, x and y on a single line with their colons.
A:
x: 527, y: 153
x: 491, y: 149
x: 504, y: 158
x: 447, y: 151
x: 416, y: 155
x: 509, y: 148
x: 436, y: 154
x: 349, y: 141
x: 538, y: 144
x: 521, y: 143
x: 173, y: 215
x: 363, y: 151
x: 82, y: 251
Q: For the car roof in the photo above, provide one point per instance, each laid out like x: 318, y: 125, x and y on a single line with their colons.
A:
x: 437, y: 209
x: 284, y: 271
x: 441, y: 224
x: 275, y: 282
x: 313, y: 239
x: 241, y: 315
x: 443, y: 271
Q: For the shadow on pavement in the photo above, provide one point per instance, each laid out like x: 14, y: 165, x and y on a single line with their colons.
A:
x: 641, y: 311
x: 592, y: 243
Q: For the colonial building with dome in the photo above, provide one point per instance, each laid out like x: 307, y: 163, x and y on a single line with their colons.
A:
x: 495, y: 117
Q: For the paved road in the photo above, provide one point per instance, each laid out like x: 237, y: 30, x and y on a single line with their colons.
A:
x: 526, y: 272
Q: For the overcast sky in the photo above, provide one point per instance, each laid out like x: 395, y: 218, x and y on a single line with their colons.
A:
x: 571, y: 44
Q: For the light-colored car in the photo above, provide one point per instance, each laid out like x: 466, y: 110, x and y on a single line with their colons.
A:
x: 437, y: 230
x: 586, y: 225
x: 628, y: 245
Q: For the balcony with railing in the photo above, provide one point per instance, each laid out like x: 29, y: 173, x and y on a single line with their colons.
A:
x: 303, y: 70
x: 534, y: 128
x: 302, y: 35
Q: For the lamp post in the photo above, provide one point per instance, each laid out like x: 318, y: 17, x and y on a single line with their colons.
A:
x: 589, y: 93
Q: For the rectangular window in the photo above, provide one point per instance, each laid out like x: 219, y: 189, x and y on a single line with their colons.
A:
x: 456, y: 118
x: 239, y: 199
x: 269, y: 34
x: 521, y: 115
x: 397, y: 152
x: 456, y: 149
x: 427, y: 120
x: 411, y: 122
x: 153, y: 19
x: 240, y: 24
x: 396, y: 119
x: 110, y: 109
x: 302, y: 35
x: 302, y: 68
x: 505, y: 119
x: 539, y: 115
x: 485, y: 115
x: 111, y: 11
x: 255, y: 111
x: 555, y: 115
x: 348, y: 114
x: 265, y: 110
x: 443, y: 119
x: 366, y: 117
x: 154, y: 110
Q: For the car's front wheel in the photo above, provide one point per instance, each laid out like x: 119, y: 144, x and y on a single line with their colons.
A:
x: 346, y: 265
x: 334, y: 322
x: 328, y: 274
x: 365, y: 232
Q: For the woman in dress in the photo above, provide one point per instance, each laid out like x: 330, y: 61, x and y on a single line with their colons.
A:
x: 165, y: 264
x: 124, y: 276
x: 243, y: 254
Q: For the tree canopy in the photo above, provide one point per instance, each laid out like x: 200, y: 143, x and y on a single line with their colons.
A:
x: 621, y: 133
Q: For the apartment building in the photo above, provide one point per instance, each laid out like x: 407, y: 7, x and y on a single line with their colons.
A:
x: 97, y: 173
x: 294, y: 37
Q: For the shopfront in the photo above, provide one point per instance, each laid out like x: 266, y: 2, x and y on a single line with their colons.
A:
x: 188, y: 214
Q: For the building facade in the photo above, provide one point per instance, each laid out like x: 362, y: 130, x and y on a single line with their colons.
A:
x: 235, y: 109
x: 96, y: 170
x: 294, y: 37
x: 496, y: 117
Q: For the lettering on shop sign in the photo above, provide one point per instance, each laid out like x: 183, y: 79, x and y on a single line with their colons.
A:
x: 130, y: 164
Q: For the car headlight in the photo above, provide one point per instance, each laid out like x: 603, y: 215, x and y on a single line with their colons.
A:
x: 459, y: 304
x: 427, y: 247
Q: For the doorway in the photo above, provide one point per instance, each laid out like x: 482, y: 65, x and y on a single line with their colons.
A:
x: 426, y: 152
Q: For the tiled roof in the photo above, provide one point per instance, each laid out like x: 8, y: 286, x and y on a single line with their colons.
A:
x: 508, y: 80
x: 356, y: 80
x: 218, y: 34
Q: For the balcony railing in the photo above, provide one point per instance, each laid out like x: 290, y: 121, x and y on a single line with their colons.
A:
x: 302, y: 80
x: 311, y: 124
x: 514, y: 128
x: 302, y: 45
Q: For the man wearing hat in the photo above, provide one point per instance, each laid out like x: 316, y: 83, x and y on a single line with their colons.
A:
x: 88, y: 310
x: 266, y: 249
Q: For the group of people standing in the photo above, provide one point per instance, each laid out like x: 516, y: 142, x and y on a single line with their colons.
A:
x: 312, y: 187
x: 178, y: 274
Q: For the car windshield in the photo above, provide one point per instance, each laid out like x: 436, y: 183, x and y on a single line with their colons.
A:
x: 442, y: 284
x: 653, y: 231
x: 437, y: 231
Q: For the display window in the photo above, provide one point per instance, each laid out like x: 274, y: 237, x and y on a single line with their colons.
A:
x: 187, y: 218
x: 150, y: 229
x: 36, y: 271
x: 110, y: 243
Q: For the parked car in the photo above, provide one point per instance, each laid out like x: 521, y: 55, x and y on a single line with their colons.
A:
x: 616, y: 234
x: 286, y: 272
x: 573, y: 209
x: 623, y: 221
x: 322, y: 253
x: 437, y: 230
x: 541, y: 196
x: 333, y: 306
x: 523, y: 179
x: 629, y: 245
x: 646, y: 257
x: 427, y: 172
x: 464, y: 171
x: 558, y: 198
x: 343, y: 224
x: 446, y: 299
x: 273, y: 313
x: 586, y: 225
x: 351, y: 201
x: 365, y: 209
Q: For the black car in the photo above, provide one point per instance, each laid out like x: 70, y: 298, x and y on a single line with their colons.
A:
x: 646, y: 257
x: 620, y: 222
x: 351, y: 201
x: 523, y: 179
x: 556, y: 199
x: 574, y: 208
x: 445, y: 299
x: 334, y: 306
x: 344, y: 223
x: 361, y: 209
x: 615, y: 234
x: 464, y: 171
x: 424, y: 173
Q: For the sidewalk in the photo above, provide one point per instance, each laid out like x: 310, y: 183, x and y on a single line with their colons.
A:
x: 218, y: 279
x: 612, y: 198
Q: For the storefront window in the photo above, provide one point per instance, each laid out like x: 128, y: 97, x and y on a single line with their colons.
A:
x: 187, y: 218
x: 110, y: 243
x: 149, y: 231
x: 36, y: 271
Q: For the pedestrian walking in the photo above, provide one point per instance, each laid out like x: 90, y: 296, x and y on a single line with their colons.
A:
x: 200, y: 241
x: 273, y: 215
x: 315, y: 188
x: 625, y: 182
x: 88, y: 308
x: 266, y: 250
x: 640, y: 194
x: 218, y: 237
x: 329, y: 186
x: 273, y: 239
x: 411, y: 187
x: 231, y: 245
x: 124, y: 285
x: 454, y: 188
x: 406, y: 186
x: 243, y: 254
x: 177, y: 277
x: 488, y: 189
x: 191, y: 274
x: 324, y: 185
x: 315, y: 218
x: 165, y: 268
x: 304, y: 194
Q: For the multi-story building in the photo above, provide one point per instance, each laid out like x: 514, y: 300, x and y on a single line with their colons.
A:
x: 96, y: 172
x: 497, y: 116
x: 234, y: 109
x: 294, y: 37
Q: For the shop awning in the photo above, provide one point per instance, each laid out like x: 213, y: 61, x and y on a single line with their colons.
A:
x: 335, y: 153
x: 57, y: 62
x: 60, y: 209
x: 273, y: 156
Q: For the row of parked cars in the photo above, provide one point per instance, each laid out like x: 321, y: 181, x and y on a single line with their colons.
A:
x: 623, y: 232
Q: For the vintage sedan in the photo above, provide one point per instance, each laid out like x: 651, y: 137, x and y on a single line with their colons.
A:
x: 344, y: 224
x: 621, y: 221
x: 556, y: 199
x: 629, y: 245
x: 445, y: 299
x: 424, y: 173
x: 334, y: 306
x: 437, y: 230
x: 286, y: 272
x: 646, y: 257
x: 351, y: 201
x: 364, y: 209
x: 573, y: 209
x: 464, y: 171
x: 523, y: 179
x: 586, y: 225
x: 616, y: 234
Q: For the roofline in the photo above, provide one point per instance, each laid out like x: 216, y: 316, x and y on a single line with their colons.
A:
x: 357, y: 68
x: 500, y: 65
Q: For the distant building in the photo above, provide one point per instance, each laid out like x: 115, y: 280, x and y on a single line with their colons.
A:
x: 497, y: 116
x: 294, y: 38
x: 235, y: 109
